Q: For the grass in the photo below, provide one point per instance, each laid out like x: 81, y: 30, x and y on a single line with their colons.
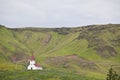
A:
x: 42, y: 75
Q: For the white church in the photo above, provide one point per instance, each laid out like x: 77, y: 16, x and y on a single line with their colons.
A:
x: 33, y: 65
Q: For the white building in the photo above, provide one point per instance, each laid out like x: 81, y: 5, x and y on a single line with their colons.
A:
x: 33, y: 65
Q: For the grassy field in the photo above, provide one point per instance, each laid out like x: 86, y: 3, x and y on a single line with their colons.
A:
x: 42, y: 75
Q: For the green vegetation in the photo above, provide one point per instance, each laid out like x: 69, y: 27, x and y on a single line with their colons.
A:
x: 82, y: 53
x: 112, y: 74
x: 42, y: 75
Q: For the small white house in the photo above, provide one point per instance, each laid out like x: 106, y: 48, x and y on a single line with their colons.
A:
x: 33, y: 65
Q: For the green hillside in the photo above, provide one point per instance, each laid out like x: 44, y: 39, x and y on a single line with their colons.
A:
x: 81, y: 53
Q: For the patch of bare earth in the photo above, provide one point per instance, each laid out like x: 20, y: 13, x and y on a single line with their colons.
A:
x: 46, y: 40
x: 106, y: 51
x: 19, y: 57
x: 70, y: 60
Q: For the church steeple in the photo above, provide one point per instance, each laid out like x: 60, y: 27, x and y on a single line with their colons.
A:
x: 32, y: 57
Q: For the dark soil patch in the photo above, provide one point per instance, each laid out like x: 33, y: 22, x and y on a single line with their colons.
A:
x: 19, y: 57
x: 70, y: 60
x: 106, y: 51
x: 47, y: 39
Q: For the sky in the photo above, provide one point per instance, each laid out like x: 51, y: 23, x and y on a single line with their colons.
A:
x: 58, y: 13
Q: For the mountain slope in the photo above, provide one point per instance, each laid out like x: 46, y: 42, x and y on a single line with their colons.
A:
x: 88, y: 50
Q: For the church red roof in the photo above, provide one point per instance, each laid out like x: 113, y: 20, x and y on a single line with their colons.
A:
x: 37, y: 65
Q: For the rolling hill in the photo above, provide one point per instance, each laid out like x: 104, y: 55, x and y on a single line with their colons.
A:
x: 84, y: 53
